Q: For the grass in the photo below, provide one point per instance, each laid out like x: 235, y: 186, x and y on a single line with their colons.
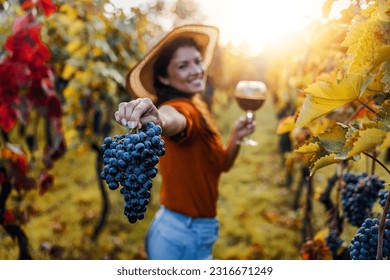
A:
x: 254, y: 209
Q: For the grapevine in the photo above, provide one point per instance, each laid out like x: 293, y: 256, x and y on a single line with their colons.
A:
x: 364, y: 243
x: 130, y: 161
x: 337, y: 246
x: 359, y: 195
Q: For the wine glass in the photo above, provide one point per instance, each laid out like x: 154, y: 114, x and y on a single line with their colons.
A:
x: 250, y: 96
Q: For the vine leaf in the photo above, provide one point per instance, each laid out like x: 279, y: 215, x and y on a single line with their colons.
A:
x: 364, y: 41
x: 325, y: 147
x: 333, y: 140
x: 383, y: 116
x: 362, y: 141
x: 386, y: 143
x: 8, y: 117
x: 308, y: 148
x: 317, y: 163
x: 46, y: 5
x: 386, y: 75
x: 323, y: 97
x: 383, y: 10
x: 285, y: 125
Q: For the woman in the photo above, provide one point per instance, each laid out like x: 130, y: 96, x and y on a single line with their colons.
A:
x: 168, y: 82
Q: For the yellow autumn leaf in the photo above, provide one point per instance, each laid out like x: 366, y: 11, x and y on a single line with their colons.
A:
x: 317, y: 127
x: 70, y: 135
x: 384, y: 10
x: 385, y: 144
x: 83, y: 77
x: 363, y: 141
x: 70, y: 92
x: 322, y: 162
x: 364, y: 41
x: 61, y: 20
x: 69, y: 71
x: 308, y: 148
x: 321, y: 235
x: 69, y: 11
x: 376, y: 85
x: 285, y: 125
x: 97, y: 51
x: 73, y: 46
x: 81, y: 53
x: 322, y: 97
x: 111, y: 86
x: 76, y: 27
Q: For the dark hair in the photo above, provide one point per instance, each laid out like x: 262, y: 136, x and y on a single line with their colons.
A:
x: 160, y: 68
x: 165, y: 93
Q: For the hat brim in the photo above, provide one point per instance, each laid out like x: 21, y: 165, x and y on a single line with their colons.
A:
x: 140, y: 78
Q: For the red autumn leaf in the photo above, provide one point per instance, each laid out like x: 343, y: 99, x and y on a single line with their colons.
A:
x: 13, y: 75
x: 21, y: 162
x: 46, y: 5
x: 28, y: 4
x: 54, y: 107
x: 26, y: 46
x: 37, y: 95
x: 8, y: 86
x: 7, y: 117
x: 7, y: 218
x: 23, y: 22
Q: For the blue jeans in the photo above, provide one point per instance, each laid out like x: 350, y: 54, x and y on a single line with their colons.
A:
x: 175, y: 236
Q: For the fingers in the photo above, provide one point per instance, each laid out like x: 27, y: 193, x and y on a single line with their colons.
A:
x: 135, y: 113
x: 140, y: 110
x: 245, y: 126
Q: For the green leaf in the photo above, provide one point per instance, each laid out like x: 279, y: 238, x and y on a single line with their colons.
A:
x: 333, y: 141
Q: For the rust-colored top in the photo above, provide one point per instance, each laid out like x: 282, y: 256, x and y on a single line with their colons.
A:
x: 191, y: 166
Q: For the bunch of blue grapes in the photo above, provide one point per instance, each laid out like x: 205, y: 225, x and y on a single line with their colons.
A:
x: 364, y: 244
x: 382, y: 201
x: 130, y: 161
x: 359, y: 195
x: 335, y: 244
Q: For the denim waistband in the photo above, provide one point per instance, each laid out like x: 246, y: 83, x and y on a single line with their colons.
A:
x: 188, y: 220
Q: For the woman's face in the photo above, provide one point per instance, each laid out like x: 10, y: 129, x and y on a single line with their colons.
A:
x: 186, y: 71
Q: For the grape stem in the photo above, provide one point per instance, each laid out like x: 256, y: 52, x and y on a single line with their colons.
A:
x: 382, y: 221
x: 354, y: 115
x: 307, y: 226
x: 374, y: 154
x: 377, y: 161
x: 368, y: 107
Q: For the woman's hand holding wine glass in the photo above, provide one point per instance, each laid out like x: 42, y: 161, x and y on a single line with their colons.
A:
x: 250, y: 96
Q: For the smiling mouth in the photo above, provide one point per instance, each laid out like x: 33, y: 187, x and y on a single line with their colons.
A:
x: 196, y: 81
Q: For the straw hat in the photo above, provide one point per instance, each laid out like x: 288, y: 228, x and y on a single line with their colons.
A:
x: 140, y: 78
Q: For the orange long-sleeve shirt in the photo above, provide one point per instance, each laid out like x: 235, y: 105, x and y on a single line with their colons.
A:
x: 191, y: 167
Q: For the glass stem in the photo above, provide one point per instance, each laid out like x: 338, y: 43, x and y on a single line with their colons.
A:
x: 250, y: 115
